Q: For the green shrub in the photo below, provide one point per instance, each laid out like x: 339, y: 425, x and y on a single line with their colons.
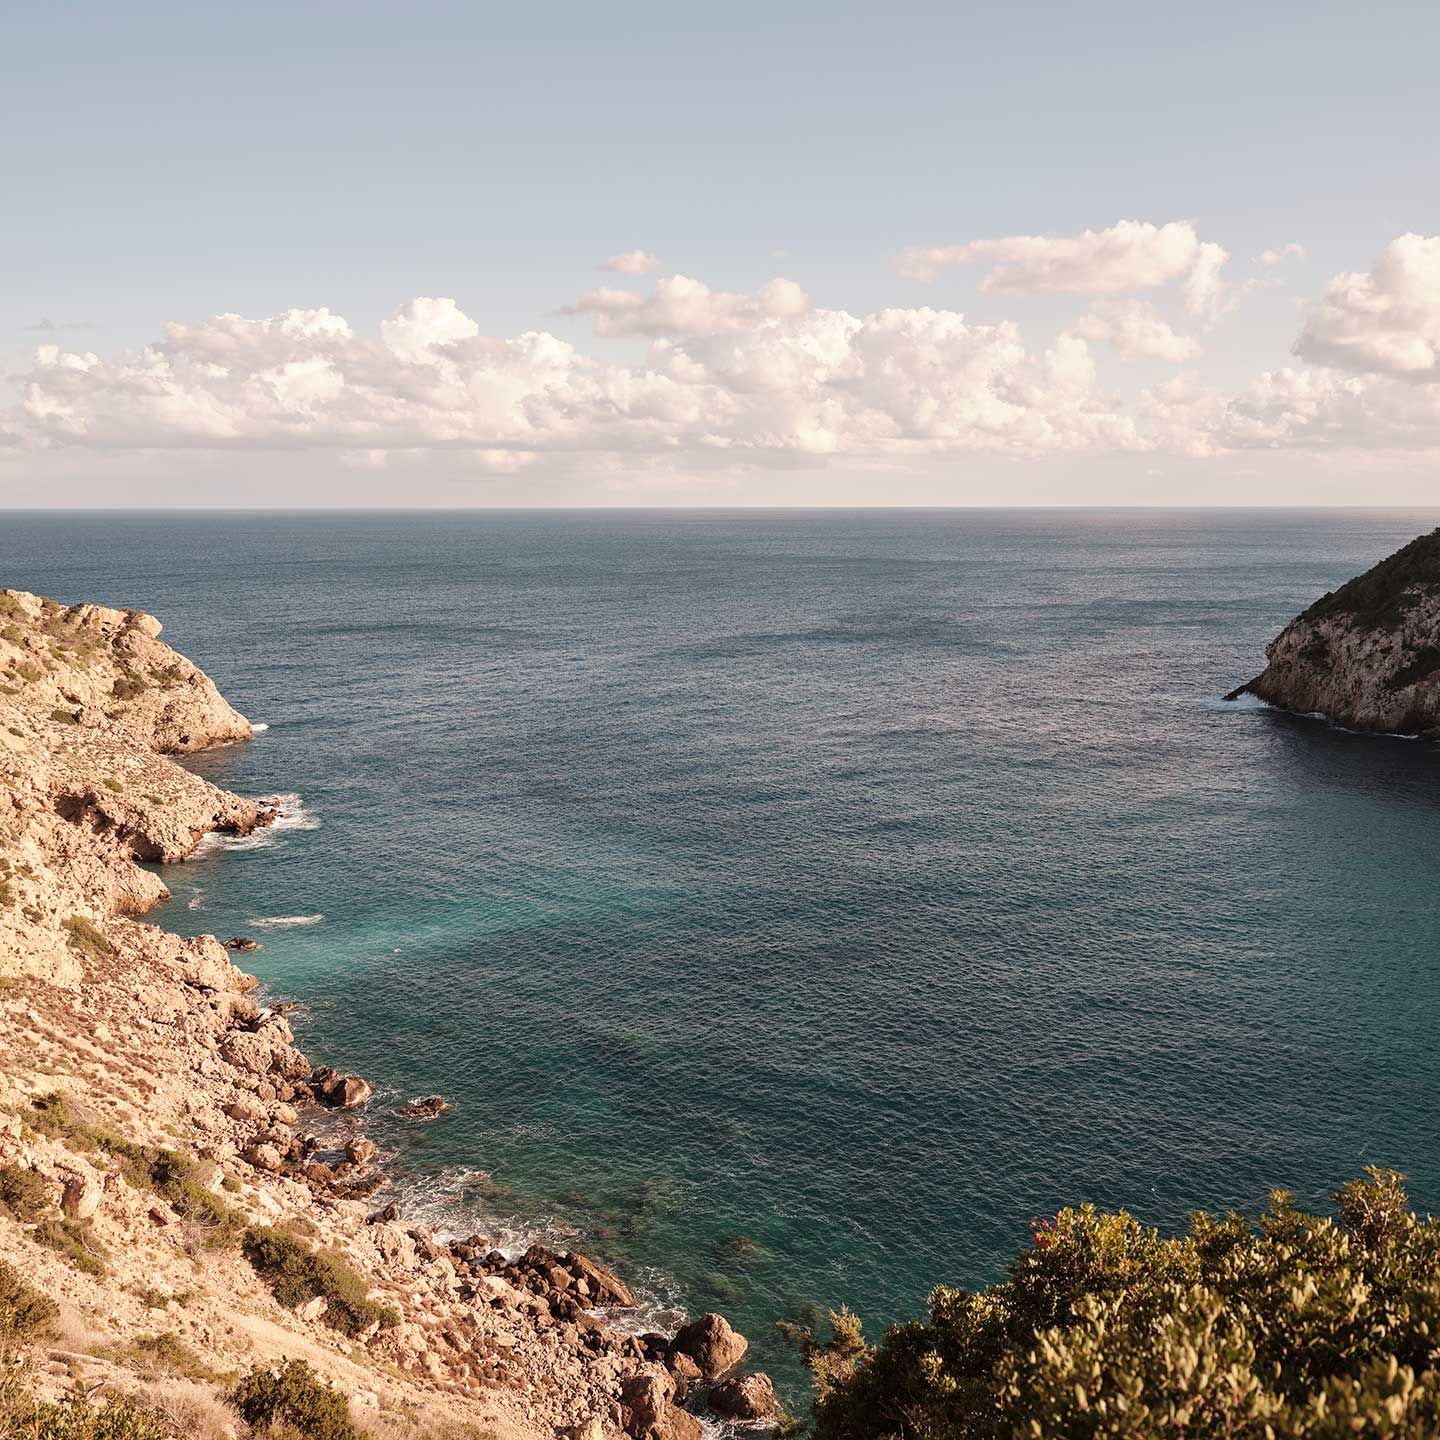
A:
x: 163, y: 1354
x: 1296, y: 1326
x: 127, y: 687
x: 85, y: 937
x: 29, y: 671
x: 63, y: 716
x: 24, y: 1195
x: 295, y: 1273
x: 25, y: 1314
x: 72, y: 1238
x: 119, y: 1418
x: 175, y: 1178
x: 295, y: 1397
x: 113, y: 785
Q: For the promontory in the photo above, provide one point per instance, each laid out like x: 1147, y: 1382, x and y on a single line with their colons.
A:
x: 1367, y: 655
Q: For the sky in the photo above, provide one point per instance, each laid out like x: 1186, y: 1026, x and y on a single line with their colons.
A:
x: 754, y: 254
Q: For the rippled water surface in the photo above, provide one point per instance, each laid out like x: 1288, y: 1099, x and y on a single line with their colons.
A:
x: 858, y: 884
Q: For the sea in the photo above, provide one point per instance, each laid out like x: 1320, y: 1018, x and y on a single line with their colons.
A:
x: 793, y: 905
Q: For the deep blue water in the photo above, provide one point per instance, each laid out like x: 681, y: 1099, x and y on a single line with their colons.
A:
x: 864, y: 884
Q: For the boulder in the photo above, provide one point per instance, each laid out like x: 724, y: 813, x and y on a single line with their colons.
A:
x: 711, y: 1344
x: 331, y: 1087
x: 311, y: 1309
x: 264, y: 1157
x: 644, y: 1399
x: 749, y: 1397
x: 426, y: 1108
x: 359, y: 1150
x: 242, y: 942
x: 678, y: 1424
x: 202, y: 962
x: 605, y: 1287
x: 262, y: 1054
x: 81, y: 1196
x: 246, y: 1109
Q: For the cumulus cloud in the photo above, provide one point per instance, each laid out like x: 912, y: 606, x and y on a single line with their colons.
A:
x: 730, y: 380
x: 1135, y: 331
x: 1131, y: 255
x: 633, y: 262
x: 1292, y: 251
x: 791, y: 379
x: 1126, y: 257
x: 682, y: 306
x: 1383, y: 321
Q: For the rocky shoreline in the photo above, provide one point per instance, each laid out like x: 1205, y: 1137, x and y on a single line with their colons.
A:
x: 1367, y: 655
x: 169, y: 1142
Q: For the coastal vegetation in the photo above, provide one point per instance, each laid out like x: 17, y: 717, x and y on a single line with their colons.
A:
x: 1295, y: 1325
x: 292, y: 1399
x: 297, y: 1273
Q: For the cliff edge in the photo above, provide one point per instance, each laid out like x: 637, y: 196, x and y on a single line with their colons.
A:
x: 1367, y: 655
x: 185, y: 1200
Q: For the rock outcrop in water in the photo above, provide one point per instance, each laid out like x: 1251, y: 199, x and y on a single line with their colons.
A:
x: 174, y: 1173
x: 1366, y: 656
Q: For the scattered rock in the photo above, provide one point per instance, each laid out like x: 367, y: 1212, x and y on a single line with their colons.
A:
x: 312, y: 1309
x: 82, y: 1195
x: 644, y: 1399
x: 359, y: 1150
x: 242, y: 942
x: 750, y: 1397
x: 264, y: 1157
x: 344, y: 1092
x: 426, y: 1108
x: 246, y: 1109
x: 711, y: 1344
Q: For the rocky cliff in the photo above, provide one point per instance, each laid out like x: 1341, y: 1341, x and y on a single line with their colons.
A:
x: 1367, y: 655
x: 182, y: 1194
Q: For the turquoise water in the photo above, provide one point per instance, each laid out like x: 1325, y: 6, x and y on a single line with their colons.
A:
x: 863, y: 884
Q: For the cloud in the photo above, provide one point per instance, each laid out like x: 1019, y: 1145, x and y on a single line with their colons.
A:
x: 732, y: 380
x: 633, y: 262
x: 682, y: 306
x: 1292, y: 251
x: 761, y: 375
x: 1135, y: 331
x: 1130, y: 255
x: 52, y: 327
x: 1384, y: 321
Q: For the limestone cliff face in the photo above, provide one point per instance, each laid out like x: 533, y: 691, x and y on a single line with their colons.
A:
x: 1367, y: 655
x: 109, y: 670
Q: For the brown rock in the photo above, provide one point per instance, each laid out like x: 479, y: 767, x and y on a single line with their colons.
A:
x: 426, y: 1108
x: 242, y: 942
x: 711, y: 1344
x: 750, y: 1397
x: 359, y: 1150
x: 644, y: 1399
x: 81, y: 1197
x: 331, y: 1087
x: 245, y: 1108
x: 264, y: 1157
x: 605, y: 1286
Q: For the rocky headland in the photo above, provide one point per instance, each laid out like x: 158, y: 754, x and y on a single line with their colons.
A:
x: 1367, y: 655
x: 190, y: 1198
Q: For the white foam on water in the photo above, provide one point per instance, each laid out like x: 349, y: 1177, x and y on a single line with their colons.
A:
x: 259, y: 727
x: 196, y: 901
x: 280, y: 922
x: 1239, y: 704
x: 293, y: 816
